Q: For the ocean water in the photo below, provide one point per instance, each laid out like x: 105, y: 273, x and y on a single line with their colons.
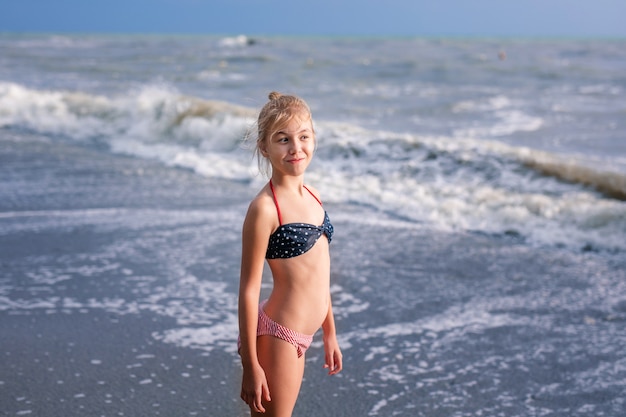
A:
x: 478, y: 186
x: 440, y: 132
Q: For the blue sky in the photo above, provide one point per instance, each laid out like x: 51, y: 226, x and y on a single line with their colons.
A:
x: 528, y: 18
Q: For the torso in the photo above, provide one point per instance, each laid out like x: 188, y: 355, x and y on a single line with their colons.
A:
x: 300, y: 296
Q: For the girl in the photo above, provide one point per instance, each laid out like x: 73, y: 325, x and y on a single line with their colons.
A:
x: 287, y: 226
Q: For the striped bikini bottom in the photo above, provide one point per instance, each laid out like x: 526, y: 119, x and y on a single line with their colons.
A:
x: 267, y: 326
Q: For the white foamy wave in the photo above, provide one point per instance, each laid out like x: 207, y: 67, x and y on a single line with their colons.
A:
x: 72, y: 114
x: 151, y: 113
x: 491, y: 104
x: 236, y: 41
x: 600, y: 89
x: 209, y: 338
x: 456, y: 321
x: 443, y: 182
x: 57, y: 41
x: 474, y: 185
x: 507, y: 122
x: 503, y: 118
x: 213, y: 75
x: 155, y: 122
x: 577, y: 220
x: 613, y: 184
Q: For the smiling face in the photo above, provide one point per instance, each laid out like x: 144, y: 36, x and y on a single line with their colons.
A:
x: 290, y: 147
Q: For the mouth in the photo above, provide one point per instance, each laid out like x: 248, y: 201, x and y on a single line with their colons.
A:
x: 295, y: 160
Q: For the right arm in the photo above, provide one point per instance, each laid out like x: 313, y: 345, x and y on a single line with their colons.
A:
x: 255, y: 238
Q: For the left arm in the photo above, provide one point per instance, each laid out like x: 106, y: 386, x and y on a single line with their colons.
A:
x: 333, y: 357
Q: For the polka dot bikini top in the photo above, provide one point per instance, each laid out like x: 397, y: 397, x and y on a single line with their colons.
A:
x: 293, y: 239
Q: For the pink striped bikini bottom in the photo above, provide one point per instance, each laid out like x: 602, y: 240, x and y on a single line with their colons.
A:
x: 267, y: 326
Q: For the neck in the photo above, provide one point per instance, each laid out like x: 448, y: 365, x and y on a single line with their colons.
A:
x: 291, y: 182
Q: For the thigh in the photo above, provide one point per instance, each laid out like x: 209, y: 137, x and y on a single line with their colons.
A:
x: 284, y: 372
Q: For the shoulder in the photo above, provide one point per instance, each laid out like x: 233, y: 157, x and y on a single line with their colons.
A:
x: 261, y: 220
x: 262, y: 209
x: 263, y: 202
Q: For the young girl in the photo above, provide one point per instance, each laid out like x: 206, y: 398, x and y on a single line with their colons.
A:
x: 287, y: 226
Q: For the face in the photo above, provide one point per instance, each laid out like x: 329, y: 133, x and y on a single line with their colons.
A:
x: 290, y: 148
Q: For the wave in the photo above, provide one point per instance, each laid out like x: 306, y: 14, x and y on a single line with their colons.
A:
x: 153, y: 122
x: 53, y: 41
x: 507, y: 120
x: 611, y: 184
x: 443, y: 182
x: 471, y: 185
x: 236, y: 41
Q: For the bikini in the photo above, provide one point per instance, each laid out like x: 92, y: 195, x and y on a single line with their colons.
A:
x: 294, y: 239
x: 288, y: 241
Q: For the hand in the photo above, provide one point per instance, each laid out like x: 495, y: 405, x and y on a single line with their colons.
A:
x: 333, y: 358
x: 254, y: 388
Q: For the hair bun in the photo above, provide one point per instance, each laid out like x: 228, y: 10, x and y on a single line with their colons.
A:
x: 274, y: 95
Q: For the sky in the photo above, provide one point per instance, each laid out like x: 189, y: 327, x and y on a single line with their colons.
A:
x: 474, y: 18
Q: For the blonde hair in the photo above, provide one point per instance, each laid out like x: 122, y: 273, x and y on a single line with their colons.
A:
x: 275, y: 114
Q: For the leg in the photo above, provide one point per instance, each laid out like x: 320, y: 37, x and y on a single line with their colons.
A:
x: 284, y: 372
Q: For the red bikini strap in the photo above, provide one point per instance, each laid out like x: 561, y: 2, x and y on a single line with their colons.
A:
x: 280, y: 218
x: 310, y: 192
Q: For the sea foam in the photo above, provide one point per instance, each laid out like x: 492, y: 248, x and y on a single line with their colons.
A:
x: 452, y: 183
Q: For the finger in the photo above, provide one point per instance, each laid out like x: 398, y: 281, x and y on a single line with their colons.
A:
x: 337, y: 366
x: 258, y: 403
x: 266, y: 391
x: 258, y: 406
x: 328, y: 361
x: 339, y: 363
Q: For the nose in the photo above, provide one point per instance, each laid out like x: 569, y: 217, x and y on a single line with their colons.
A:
x: 295, y: 146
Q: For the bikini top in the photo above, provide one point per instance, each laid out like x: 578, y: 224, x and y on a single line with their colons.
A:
x: 293, y: 239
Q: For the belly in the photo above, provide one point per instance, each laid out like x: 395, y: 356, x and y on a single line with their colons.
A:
x: 301, y: 294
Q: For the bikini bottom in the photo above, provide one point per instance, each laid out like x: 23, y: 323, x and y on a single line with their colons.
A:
x: 267, y: 326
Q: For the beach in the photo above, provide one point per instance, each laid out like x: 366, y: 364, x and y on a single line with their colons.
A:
x: 464, y: 281
x: 82, y: 341
x: 119, y: 301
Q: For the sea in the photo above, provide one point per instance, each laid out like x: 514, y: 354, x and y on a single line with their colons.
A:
x: 477, y: 187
